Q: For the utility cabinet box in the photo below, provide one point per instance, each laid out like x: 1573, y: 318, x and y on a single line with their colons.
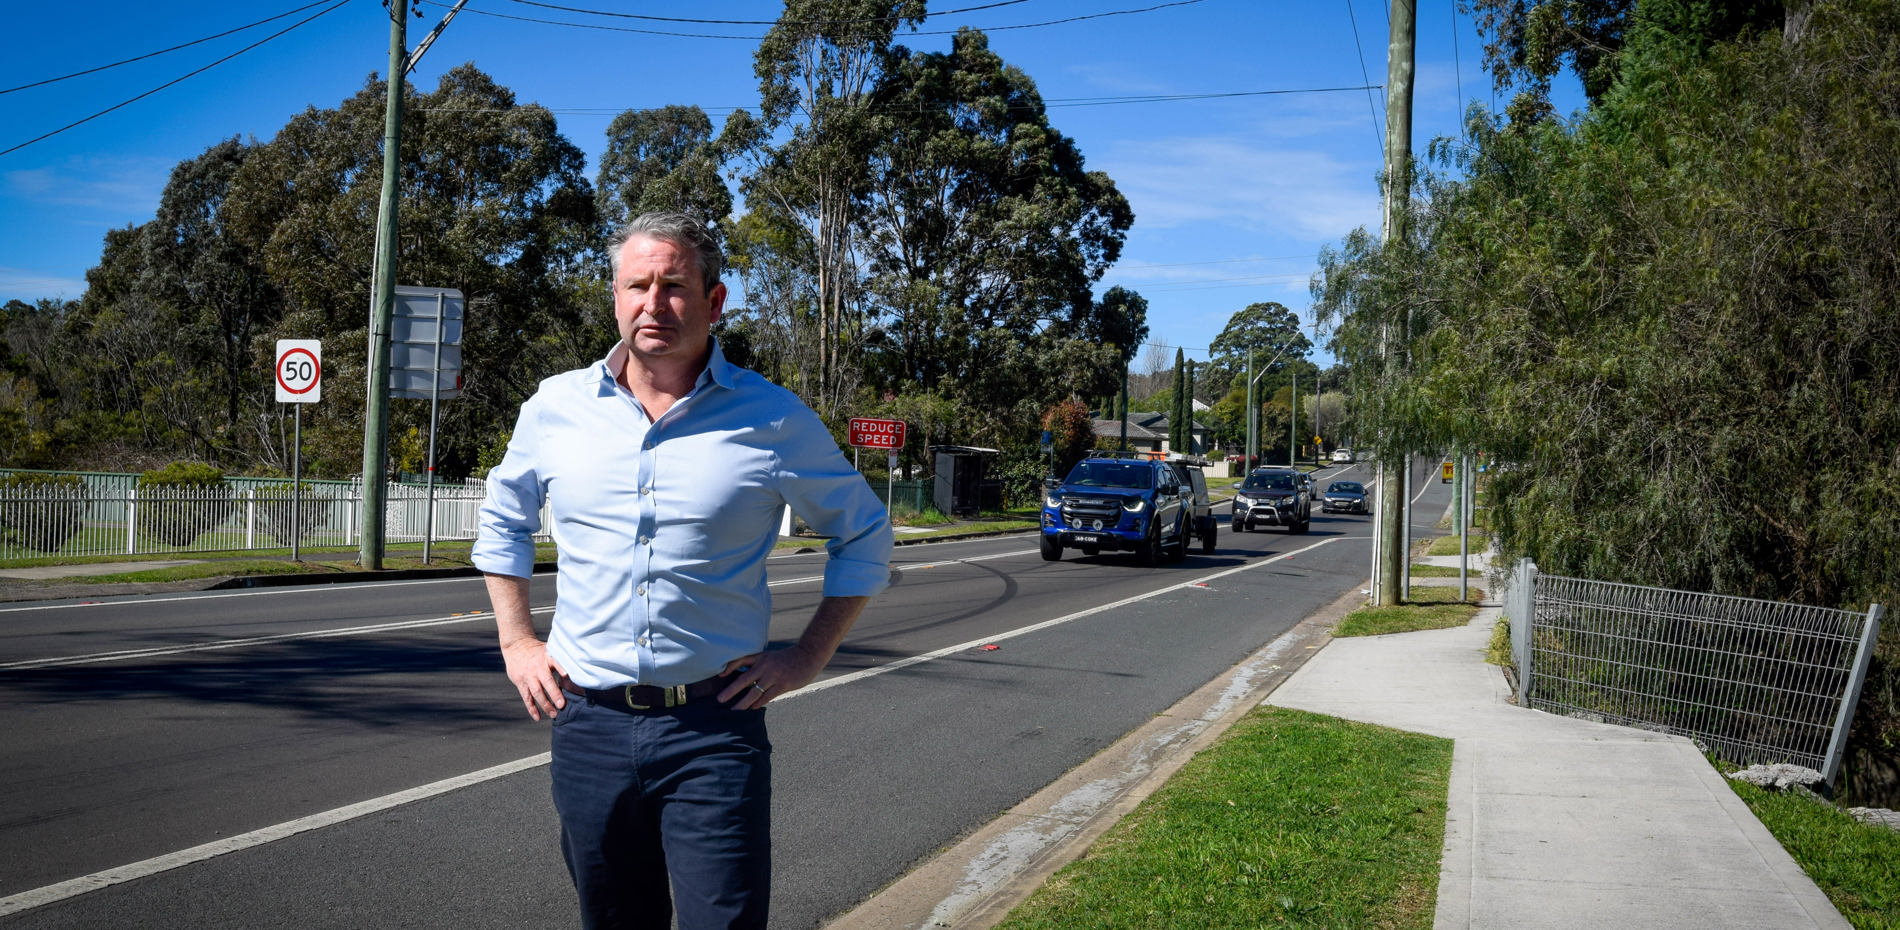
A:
x: 960, y: 484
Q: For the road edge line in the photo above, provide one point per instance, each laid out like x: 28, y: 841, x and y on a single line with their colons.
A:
x: 975, y: 883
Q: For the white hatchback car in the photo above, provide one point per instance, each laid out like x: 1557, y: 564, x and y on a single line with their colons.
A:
x: 1342, y: 456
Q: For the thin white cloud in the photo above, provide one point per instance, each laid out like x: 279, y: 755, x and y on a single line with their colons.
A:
x: 100, y: 182
x: 1230, y: 181
x: 30, y: 285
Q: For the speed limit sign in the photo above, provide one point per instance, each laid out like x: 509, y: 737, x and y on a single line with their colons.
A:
x: 299, y: 371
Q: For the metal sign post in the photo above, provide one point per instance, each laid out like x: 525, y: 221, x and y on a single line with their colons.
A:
x: 868, y: 433
x: 427, y: 318
x: 299, y: 371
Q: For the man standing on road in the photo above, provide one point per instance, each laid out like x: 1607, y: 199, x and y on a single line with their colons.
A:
x: 665, y: 470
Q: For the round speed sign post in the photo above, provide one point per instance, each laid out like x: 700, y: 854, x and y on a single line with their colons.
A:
x: 299, y: 371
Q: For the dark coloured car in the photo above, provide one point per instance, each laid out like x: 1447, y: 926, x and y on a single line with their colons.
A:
x: 1344, y: 497
x: 1274, y: 497
x: 1118, y: 501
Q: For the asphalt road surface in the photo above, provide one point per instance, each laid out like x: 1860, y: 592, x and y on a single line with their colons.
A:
x: 351, y: 755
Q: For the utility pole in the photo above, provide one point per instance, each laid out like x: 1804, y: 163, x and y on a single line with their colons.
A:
x: 1124, y: 407
x: 1252, y: 416
x: 1401, y: 55
x: 376, y: 404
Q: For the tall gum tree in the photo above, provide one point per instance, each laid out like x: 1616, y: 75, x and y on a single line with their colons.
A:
x: 817, y: 67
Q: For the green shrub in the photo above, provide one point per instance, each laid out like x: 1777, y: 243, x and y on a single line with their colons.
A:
x: 200, y: 500
x: 41, y: 511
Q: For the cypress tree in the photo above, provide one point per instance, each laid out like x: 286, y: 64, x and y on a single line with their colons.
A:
x: 1180, y: 389
x: 1187, y: 411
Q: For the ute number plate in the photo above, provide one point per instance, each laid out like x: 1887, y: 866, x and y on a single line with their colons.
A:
x: 1087, y: 539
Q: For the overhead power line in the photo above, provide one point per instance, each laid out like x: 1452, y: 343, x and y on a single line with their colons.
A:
x: 162, y: 51
x: 754, y: 38
x: 121, y: 104
x: 752, y: 22
x: 1377, y: 132
x: 1050, y: 103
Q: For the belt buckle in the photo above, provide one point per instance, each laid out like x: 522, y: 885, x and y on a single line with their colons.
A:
x: 628, y: 696
x: 675, y: 697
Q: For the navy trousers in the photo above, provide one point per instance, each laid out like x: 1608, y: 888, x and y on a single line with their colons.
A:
x: 678, y: 798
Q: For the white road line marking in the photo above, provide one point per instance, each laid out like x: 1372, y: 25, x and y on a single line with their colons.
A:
x: 62, y: 661
x: 39, y: 897
x: 216, y: 645
x: 1036, y: 627
x: 211, y: 597
x: 49, y: 894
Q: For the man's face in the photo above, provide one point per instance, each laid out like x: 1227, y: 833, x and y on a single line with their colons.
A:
x: 661, y: 306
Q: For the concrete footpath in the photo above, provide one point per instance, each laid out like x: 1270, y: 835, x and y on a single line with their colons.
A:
x: 1552, y: 822
x: 1556, y: 822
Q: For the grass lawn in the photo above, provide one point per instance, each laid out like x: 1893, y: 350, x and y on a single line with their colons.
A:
x: 1291, y: 820
x: 317, y: 560
x: 1856, y: 864
x: 1431, y: 608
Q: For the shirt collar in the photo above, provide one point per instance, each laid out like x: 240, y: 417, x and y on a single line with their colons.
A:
x: 718, y: 370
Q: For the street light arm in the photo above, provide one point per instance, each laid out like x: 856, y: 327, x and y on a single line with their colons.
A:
x: 1269, y: 365
x: 428, y: 40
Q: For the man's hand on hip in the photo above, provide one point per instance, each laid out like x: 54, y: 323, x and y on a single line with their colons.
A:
x: 535, y: 675
x: 762, y: 676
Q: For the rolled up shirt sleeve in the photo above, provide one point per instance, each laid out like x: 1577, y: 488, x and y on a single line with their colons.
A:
x: 511, y: 507
x: 820, y: 485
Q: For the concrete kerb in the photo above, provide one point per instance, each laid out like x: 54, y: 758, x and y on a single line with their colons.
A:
x: 976, y: 882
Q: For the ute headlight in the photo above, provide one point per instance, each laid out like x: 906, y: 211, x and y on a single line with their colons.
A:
x: 1134, y: 504
x: 1052, y: 502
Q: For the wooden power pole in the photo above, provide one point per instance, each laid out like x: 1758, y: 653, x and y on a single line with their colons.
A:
x: 1392, y: 462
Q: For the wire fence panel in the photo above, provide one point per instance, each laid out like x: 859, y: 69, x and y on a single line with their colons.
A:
x: 1754, y: 681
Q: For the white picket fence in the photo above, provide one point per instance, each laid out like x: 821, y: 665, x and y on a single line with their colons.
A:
x: 119, y: 518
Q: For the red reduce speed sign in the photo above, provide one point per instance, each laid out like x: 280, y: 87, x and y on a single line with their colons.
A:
x: 867, y: 433
x: 299, y: 371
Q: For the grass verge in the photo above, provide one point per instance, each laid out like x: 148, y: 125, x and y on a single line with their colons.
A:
x: 318, y: 561
x: 1431, y: 608
x: 1498, y: 650
x: 1443, y: 571
x: 1292, y: 819
x: 1856, y: 864
x: 1448, y: 545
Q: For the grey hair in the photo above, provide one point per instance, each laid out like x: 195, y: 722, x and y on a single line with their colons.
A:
x: 677, y: 228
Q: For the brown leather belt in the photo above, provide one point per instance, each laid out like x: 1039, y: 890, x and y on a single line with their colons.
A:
x: 649, y: 698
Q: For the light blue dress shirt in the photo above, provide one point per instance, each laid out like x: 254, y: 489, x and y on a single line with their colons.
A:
x: 664, y: 526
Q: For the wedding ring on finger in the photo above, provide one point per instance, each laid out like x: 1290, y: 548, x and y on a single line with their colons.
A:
x: 759, y: 686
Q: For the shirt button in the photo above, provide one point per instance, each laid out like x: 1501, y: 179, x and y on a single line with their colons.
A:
x: 645, y: 491
x: 641, y: 591
x: 649, y: 444
x: 644, y: 540
x: 643, y: 640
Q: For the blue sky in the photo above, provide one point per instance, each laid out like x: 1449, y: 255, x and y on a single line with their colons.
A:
x: 1233, y: 196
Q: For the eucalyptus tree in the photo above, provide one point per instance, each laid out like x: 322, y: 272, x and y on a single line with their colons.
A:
x: 985, y: 233
x: 495, y: 204
x: 817, y: 68
x: 662, y: 159
x: 1267, y: 333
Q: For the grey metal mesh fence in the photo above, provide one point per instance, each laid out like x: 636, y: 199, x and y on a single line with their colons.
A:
x: 1754, y: 681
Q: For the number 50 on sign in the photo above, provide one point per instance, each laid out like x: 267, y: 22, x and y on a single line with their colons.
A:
x: 299, y: 371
